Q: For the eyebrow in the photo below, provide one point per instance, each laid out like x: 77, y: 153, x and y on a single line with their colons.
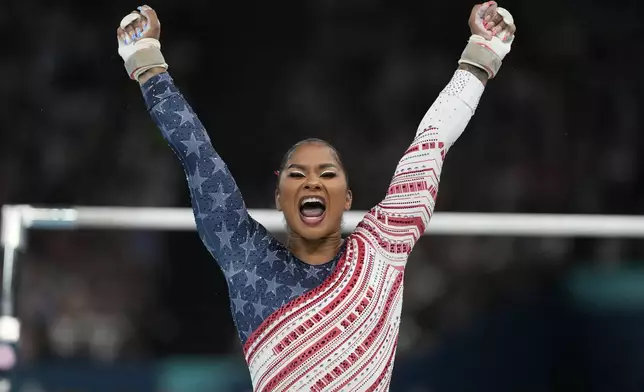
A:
x: 320, y: 166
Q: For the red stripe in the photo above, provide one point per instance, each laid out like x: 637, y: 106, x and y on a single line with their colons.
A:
x: 329, y: 284
x: 386, y: 371
x: 297, y: 361
x: 385, y: 313
x: 364, y: 365
x: 331, y: 321
x: 408, y: 172
x: 364, y: 319
x: 390, y: 227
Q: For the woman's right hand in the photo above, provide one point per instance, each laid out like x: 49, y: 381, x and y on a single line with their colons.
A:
x: 139, y: 29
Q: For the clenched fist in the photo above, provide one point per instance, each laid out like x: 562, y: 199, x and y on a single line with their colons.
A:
x: 489, y: 20
x: 493, y: 32
x: 137, y: 25
x: 138, y: 39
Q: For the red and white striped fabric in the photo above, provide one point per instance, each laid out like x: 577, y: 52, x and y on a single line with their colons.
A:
x: 342, y: 335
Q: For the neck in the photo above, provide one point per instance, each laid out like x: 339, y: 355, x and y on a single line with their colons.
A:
x: 314, y: 252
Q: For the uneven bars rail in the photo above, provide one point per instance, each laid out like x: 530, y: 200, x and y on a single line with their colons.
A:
x: 443, y: 223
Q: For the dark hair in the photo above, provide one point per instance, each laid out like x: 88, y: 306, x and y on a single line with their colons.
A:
x: 311, y: 140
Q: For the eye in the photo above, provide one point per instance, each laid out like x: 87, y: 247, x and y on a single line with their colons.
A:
x: 328, y: 174
x: 295, y: 175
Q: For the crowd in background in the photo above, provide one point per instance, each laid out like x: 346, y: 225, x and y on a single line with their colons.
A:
x: 559, y: 131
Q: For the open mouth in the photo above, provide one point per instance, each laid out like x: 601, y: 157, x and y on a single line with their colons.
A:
x: 312, y: 210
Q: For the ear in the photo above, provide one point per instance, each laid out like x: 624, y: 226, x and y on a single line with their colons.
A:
x: 348, y: 201
x: 277, y: 200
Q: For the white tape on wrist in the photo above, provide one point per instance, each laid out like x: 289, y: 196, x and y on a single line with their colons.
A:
x: 141, y: 56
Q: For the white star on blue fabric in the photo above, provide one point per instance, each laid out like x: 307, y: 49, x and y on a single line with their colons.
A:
x: 186, y: 116
x: 224, y: 237
x: 271, y: 256
x: 165, y: 77
x: 243, y: 215
x: 201, y: 215
x: 219, y: 198
x: 248, y: 246
x: 231, y: 271
x: 272, y: 286
x: 239, y: 304
x: 290, y: 267
x: 311, y: 272
x: 252, y: 278
x: 159, y: 108
x: 196, y: 180
x: 165, y: 94
x: 259, y: 308
x: 219, y: 164
x: 167, y: 131
x: 193, y: 145
x: 297, y: 290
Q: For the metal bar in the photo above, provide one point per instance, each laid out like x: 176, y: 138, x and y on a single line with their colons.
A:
x: 442, y: 223
x: 12, y: 239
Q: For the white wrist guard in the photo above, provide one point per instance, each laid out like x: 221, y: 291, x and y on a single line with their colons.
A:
x: 141, y: 55
x: 489, y: 55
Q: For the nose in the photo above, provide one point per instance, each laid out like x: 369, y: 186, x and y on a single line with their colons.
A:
x: 312, y: 183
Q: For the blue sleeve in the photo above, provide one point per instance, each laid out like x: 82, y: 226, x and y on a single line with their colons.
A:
x: 223, y: 222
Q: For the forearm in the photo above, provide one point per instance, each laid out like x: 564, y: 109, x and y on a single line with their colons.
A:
x: 450, y: 113
x: 216, y: 198
x: 411, y: 196
x: 480, y: 73
x: 442, y: 125
x: 150, y: 73
x: 180, y: 125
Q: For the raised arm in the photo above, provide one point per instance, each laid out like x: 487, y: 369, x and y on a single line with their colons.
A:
x: 217, y: 202
x: 402, y: 217
x: 220, y: 213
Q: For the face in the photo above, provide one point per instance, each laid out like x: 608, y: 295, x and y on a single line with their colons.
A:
x: 313, y: 192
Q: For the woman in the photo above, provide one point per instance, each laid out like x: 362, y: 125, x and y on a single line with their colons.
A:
x: 319, y: 313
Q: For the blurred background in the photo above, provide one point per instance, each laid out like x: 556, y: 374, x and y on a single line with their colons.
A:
x: 559, y: 131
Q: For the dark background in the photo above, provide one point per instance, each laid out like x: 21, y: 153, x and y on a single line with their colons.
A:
x: 559, y: 131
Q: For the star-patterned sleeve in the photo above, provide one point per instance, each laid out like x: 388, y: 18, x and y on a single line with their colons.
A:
x: 401, y: 218
x: 220, y: 213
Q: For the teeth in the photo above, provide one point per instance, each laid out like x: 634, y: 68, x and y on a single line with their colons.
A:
x: 312, y: 200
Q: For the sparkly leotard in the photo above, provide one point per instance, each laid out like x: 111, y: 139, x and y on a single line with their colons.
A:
x: 329, y: 327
